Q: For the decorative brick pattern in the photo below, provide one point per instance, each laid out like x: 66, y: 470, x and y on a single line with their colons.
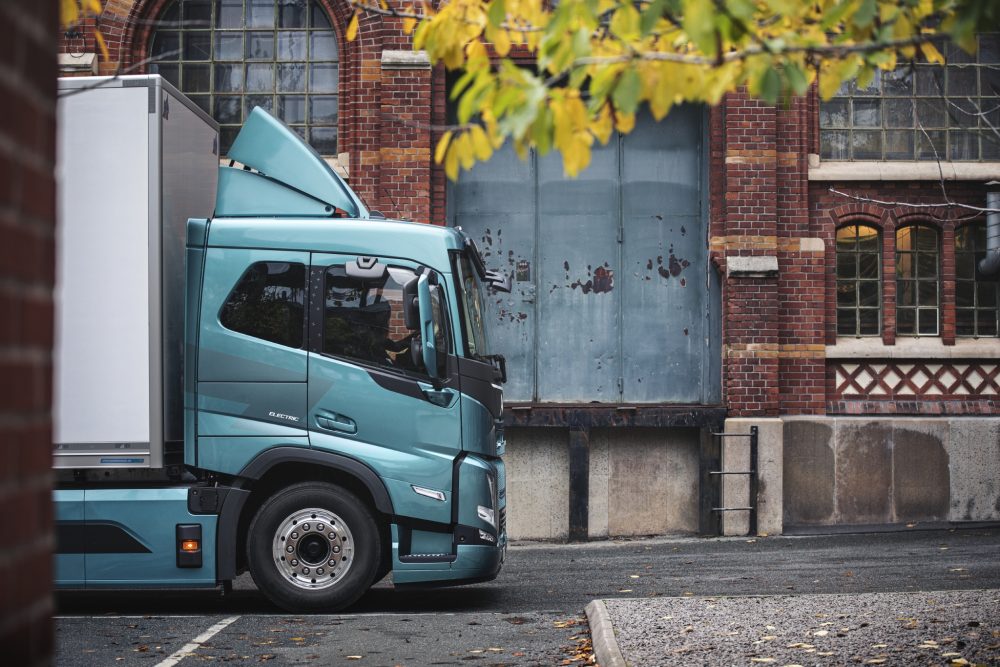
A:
x: 27, y: 224
x: 909, y: 379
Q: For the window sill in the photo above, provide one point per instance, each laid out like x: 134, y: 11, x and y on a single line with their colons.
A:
x: 914, y: 348
x: 901, y: 171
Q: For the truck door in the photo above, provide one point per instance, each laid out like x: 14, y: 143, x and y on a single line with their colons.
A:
x: 369, y: 396
x: 252, y: 357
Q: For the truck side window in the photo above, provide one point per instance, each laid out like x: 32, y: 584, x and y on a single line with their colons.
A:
x: 268, y: 302
x: 363, y: 319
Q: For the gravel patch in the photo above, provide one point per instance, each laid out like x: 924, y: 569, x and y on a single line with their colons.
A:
x: 927, y: 628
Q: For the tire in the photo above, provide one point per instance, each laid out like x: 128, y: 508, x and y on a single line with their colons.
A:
x: 296, y: 535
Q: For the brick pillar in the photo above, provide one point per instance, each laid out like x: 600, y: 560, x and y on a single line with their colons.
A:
x: 405, y: 156
x: 751, y: 296
x: 801, y: 282
x: 27, y: 219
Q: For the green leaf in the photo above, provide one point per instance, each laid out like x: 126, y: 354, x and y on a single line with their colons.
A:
x: 652, y: 14
x: 741, y: 9
x: 497, y: 12
x: 865, y: 14
x: 699, y: 23
x: 626, y: 93
x: 797, y: 79
x: 770, y: 86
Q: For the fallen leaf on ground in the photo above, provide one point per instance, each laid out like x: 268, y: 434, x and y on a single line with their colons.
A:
x: 353, y: 657
x: 821, y: 633
x: 761, y: 659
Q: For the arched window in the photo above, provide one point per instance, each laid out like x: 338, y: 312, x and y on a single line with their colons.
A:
x: 977, y: 297
x: 232, y: 55
x: 859, y: 279
x: 917, y: 281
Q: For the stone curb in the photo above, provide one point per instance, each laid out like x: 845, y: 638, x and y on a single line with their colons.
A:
x: 603, y: 636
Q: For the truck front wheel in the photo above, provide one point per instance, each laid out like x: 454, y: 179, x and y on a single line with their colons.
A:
x: 313, y: 546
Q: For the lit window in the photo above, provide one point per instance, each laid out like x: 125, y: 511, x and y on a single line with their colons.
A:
x: 920, y: 111
x: 859, y: 296
x: 977, y: 297
x: 230, y: 56
x: 917, y: 282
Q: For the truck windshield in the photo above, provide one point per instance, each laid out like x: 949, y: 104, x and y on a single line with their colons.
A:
x: 471, y: 295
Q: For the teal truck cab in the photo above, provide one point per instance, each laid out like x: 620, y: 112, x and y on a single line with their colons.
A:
x: 286, y: 383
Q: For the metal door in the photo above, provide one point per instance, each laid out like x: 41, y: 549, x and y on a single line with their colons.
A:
x: 613, y: 299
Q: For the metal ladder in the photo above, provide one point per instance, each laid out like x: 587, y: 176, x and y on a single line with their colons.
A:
x: 752, y: 472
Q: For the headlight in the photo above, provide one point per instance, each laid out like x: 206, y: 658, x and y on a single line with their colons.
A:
x: 487, y: 515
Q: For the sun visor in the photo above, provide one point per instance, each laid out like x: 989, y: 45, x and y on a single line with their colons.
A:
x: 269, y: 146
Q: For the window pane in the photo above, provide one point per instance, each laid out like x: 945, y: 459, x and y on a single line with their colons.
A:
x: 291, y: 46
x: 953, y: 53
x: 989, y: 81
x: 987, y: 322
x: 833, y: 113
x: 323, y: 109
x: 867, y: 239
x: 834, y: 145
x: 268, y: 303
x: 260, y: 13
x: 846, y: 237
x: 899, y: 145
x: 990, y: 145
x: 228, y: 78
x: 197, y: 13
x: 965, y: 322
x: 171, y: 73
x: 292, y: 13
x: 868, y: 266
x: 964, y: 145
x: 292, y: 108
x: 927, y: 321
x: 322, y: 45
x: 927, y: 238
x: 847, y: 322
x: 866, y: 145
x: 873, y: 86
x: 847, y: 265
x: 899, y: 113
x: 926, y: 265
x: 265, y: 102
x: 228, y: 46
x: 204, y: 102
x: 906, y: 321
x: 965, y: 266
x: 868, y: 293
x: 927, y: 293
x: 898, y: 82
x: 846, y: 294
x: 226, y: 137
x: 931, y: 113
x: 869, y: 322
x: 931, y: 145
x: 260, y: 77
x: 324, y: 140
x: 963, y: 113
x: 318, y: 17
x: 166, y: 45
x: 197, y: 78
x: 228, y: 109
x: 930, y: 80
x: 965, y: 294
x: 867, y: 113
x: 229, y: 14
x: 989, y: 49
x: 906, y: 292
x: 323, y: 78
x: 292, y: 78
x: 961, y: 81
x: 260, y: 45
x: 988, y: 293
x: 197, y: 45
x: 905, y: 238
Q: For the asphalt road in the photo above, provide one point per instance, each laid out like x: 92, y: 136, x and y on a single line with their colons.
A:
x: 532, y: 614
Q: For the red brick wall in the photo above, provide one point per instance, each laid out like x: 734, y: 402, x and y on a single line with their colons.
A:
x: 27, y: 220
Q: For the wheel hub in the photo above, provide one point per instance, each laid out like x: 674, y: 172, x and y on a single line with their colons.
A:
x: 313, y: 548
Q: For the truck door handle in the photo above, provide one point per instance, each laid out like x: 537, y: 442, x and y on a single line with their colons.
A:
x: 443, y: 397
x: 331, y: 421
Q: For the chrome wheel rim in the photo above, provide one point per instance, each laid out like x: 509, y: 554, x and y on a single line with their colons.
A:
x: 313, y: 548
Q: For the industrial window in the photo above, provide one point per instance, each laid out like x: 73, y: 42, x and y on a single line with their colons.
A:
x: 920, y: 111
x: 859, y: 294
x: 363, y: 319
x: 269, y: 303
x: 977, y: 297
x: 917, y: 281
x: 230, y: 56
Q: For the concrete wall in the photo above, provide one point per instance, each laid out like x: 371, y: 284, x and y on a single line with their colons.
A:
x: 641, y: 481
x: 851, y: 471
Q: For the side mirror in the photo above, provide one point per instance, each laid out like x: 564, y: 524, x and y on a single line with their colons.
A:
x: 411, y: 307
x: 428, y: 347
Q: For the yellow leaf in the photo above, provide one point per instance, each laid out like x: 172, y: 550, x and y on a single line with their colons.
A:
x: 442, y: 147
x: 69, y: 12
x: 451, y: 163
x: 480, y: 143
x: 625, y: 122
x: 602, y: 126
x: 354, y: 657
x: 408, y: 25
x: 101, y: 45
x: 931, y: 53
x: 352, y: 30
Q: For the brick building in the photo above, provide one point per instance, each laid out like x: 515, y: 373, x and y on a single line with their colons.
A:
x: 27, y: 222
x: 720, y: 269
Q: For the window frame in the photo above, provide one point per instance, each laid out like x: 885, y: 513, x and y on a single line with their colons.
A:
x: 305, y: 305
x: 974, y: 256
x: 857, y: 279
x: 937, y: 280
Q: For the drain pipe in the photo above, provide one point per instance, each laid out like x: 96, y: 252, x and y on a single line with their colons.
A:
x: 991, y: 263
